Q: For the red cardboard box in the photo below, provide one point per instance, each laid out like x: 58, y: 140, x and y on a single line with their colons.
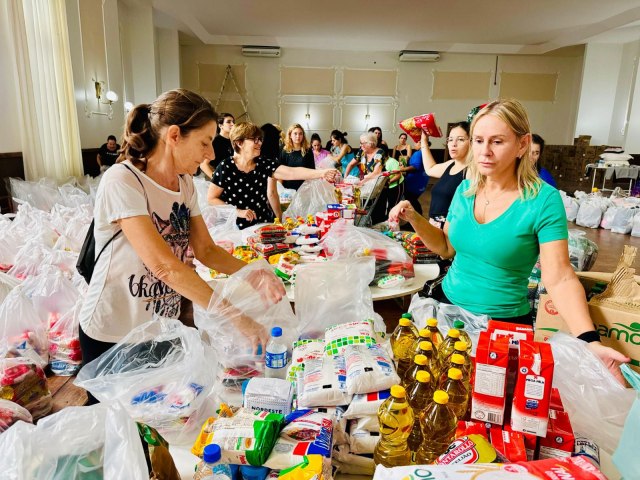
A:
x: 489, y: 388
x: 560, y: 440
x: 530, y: 410
x: 510, y: 444
x: 530, y: 443
x: 556, y: 401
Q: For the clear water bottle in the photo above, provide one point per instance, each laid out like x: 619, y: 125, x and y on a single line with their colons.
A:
x: 276, y: 356
x: 210, y: 468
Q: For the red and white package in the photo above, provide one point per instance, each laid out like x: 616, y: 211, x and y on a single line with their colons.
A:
x: 469, y: 428
x: 508, y: 443
x: 413, y: 126
x: 560, y: 440
x: 10, y: 413
x: 530, y: 411
x: 556, y: 401
x: 489, y: 389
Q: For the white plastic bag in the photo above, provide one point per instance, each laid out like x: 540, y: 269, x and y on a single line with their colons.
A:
x: 596, y: 403
x: 161, y: 373
x: 361, y: 441
x: 10, y: 413
x: 7, y: 283
x: 74, y: 444
x: 608, y: 217
x: 65, y: 355
x: 582, y: 251
x: 220, y: 219
x: 635, y: 230
x: 623, y: 220
x: 22, y: 380
x: 589, y: 214
x: 312, y: 197
x: 571, y: 206
x: 52, y: 294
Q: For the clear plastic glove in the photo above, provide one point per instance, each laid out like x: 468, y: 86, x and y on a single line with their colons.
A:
x: 269, y: 287
x: 247, y: 214
x: 610, y: 358
x: 253, y: 331
x: 330, y: 174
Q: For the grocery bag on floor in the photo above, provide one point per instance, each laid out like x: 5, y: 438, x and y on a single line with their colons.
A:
x: 626, y: 455
x: 52, y: 294
x: 22, y: 380
x: 10, y: 413
x: 65, y: 355
x: 608, y: 216
x: 582, y: 251
x: 312, y: 197
x: 161, y: 373
x: 623, y: 220
x: 77, y: 443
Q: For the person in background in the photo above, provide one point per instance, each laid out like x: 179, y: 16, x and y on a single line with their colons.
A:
x: 396, y: 182
x: 380, y: 142
x: 149, y: 197
x: 537, y: 147
x: 450, y: 173
x: 221, y: 144
x: 415, y: 180
x: 320, y: 155
x: 108, y: 153
x: 342, y: 152
x: 402, y: 150
x: 248, y: 180
x: 272, y: 141
x: 501, y: 219
x: 296, y: 153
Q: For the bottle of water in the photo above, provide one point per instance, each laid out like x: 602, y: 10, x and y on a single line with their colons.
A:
x: 276, y: 357
x: 210, y: 467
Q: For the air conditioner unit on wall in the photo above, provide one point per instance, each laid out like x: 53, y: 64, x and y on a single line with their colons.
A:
x: 258, y: 51
x: 418, y: 56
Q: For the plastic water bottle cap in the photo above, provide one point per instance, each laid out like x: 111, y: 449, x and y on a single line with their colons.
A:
x: 460, y: 346
x: 276, y: 332
x: 454, y: 333
x: 212, y: 453
x: 458, y: 324
x: 432, y: 322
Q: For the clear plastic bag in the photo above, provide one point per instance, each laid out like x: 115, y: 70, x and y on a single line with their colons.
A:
x: 635, y: 229
x: 626, y: 455
x: 238, y: 321
x: 72, y: 196
x: 42, y: 195
x: 11, y: 412
x: 345, y: 240
x: 596, y: 402
x: 583, y: 252
x: 73, y: 444
x: 623, y: 220
x: 161, y: 373
x: 22, y: 380
x: 311, y: 198
x: 52, y: 294
x: 65, y: 355
x: 202, y: 188
x: 339, y: 289
x: 608, y: 217
x: 571, y: 206
x: 29, y: 260
x: 7, y: 283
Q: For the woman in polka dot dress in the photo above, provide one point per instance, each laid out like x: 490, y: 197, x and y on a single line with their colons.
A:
x: 248, y: 181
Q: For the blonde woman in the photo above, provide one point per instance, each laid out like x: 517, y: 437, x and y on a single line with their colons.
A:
x: 501, y: 218
x: 296, y: 153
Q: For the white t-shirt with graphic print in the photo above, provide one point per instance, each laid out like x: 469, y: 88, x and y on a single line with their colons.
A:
x: 123, y: 293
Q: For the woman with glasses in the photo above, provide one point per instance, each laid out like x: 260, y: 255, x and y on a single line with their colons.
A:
x: 296, y: 153
x: 248, y: 182
x: 451, y: 173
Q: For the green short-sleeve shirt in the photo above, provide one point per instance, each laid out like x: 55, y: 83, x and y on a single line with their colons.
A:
x: 493, y: 261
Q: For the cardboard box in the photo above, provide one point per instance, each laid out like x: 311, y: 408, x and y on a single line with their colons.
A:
x: 560, y: 439
x: 489, y: 389
x: 510, y: 444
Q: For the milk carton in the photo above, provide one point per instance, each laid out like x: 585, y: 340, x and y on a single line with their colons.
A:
x: 489, y: 389
x: 560, y: 439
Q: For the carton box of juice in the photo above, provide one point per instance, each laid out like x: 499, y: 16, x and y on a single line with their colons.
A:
x: 489, y: 388
x: 509, y: 443
x: 530, y: 410
x: 560, y: 439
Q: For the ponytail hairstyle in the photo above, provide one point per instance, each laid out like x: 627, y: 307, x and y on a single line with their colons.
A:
x: 145, y: 122
x: 340, y: 136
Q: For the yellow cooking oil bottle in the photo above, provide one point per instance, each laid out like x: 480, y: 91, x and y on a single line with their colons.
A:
x: 434, y: 333
x: 466, y: 367
x: 464, y: 336
x: 395, y: 417
x: 425, y: 348
x: 420, y: 363
x: 402, y: 341
x: 457, y: 391
x: 419, y: 394
x: 446, y: 348
x: 438, y: 429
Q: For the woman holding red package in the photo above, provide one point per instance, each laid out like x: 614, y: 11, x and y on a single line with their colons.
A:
x: 500, y: 220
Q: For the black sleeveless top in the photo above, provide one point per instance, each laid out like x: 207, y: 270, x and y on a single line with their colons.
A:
x: 443, y: 192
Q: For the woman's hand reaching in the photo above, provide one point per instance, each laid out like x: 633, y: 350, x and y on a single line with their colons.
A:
x: 329, y: 174
x: 611, y: 359
x: 402, y: 211
x: 269, y: 286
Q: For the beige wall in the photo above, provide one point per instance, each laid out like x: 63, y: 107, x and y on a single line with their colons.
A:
x: 553, y: 120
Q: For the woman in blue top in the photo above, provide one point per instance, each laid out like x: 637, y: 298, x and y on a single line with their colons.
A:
x: 341, y: 151
x: 500, y: 219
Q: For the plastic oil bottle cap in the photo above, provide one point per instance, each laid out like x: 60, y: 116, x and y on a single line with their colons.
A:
x: 212, y: 453
x: 460, y: 346
x: 458, y: 324
x: 441, y: 397
x: 276, y: 332
x: 455, y: 373
x: 420, y: 359
x: 424, y: 333
x: 405, y: 322
x: 432, y: 322
x: 407, y: 315
x: 457, y: 359
x: 423, y: 377
x: 398, y: 391
x: 425, y: 345
x: 454, y: 333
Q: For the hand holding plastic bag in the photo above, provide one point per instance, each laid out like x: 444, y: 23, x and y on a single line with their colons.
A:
x: 596, y: 402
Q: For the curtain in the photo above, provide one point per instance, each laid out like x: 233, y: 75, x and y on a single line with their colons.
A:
x: 47, y: 110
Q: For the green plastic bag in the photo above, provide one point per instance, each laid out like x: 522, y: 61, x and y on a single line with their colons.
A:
x: 626, y: 457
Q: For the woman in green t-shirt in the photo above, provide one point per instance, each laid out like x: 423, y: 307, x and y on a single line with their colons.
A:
x: 501, y: 218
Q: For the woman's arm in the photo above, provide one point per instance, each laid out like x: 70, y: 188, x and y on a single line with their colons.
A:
x: 302, y: 173
x: 343, y: 152
x: 213, y: 198
x: 377, y: 171
x: 352, y: 164
x: 435, y: 239
x: 568, y: 297
x: 409, y: 151
x: 431, y: 168
x: 208, y: 252
x: 274, y: 198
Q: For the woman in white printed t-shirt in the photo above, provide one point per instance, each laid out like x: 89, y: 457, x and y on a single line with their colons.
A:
x: 150, y: 196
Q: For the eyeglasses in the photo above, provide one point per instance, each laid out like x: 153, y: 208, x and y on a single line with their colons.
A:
x: 456, y: 140
x: 256, y: 140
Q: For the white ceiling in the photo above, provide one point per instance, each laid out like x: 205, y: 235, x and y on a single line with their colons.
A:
x: 492, y: 26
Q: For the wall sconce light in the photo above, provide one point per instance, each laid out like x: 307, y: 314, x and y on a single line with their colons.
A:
x: 367, y: 117
x: 128, y: 106
x: 110, y: 96
x: 307, y: 116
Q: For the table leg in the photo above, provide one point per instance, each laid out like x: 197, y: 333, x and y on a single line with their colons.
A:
x: 593, y: 179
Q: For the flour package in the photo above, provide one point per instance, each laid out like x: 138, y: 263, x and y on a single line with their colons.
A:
x: 307, y: 432
x: 368, y: 422
x: 366, y: 404
x: 369, y: 369
x: 361, y: 441
x: 303, y: 351
x: 337, y: 337
x: 323, y: 383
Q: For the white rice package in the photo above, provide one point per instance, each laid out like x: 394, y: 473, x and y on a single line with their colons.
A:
x: 323, y: 383
x: 303, y: 351
x: 369, y: 369
x: 361, y: 441
x: 366, y: 404
x: 368, y: 422
x: 337, y: 337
